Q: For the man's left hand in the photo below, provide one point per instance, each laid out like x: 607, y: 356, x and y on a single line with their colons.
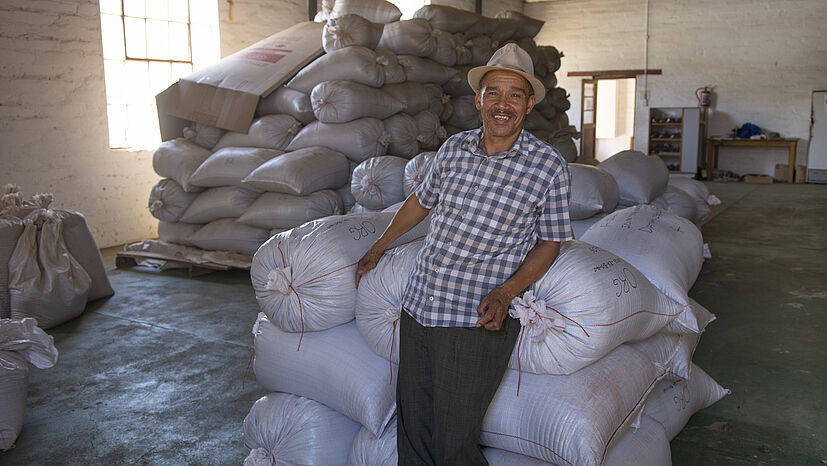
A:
x: 493, y: 308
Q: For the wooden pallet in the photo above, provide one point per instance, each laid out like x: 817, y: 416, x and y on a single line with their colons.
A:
x: 130, y: 259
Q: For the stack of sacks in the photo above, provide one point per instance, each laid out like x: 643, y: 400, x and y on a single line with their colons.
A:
x: 230, y: 191
x: 22, y: 343
x: 50, y: 265
x: 475, y: 39
x: 383, y: 87
x: 627, y: 342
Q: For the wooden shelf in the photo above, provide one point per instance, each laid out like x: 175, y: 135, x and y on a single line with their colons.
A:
x: 673, y: 123
x: 685, y: 126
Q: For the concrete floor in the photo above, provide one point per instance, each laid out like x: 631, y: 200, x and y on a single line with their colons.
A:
x: 154, y: 374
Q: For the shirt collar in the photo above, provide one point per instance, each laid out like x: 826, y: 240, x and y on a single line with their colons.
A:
x: 472, y: 144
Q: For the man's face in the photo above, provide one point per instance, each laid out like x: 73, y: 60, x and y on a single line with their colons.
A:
x: 504, y: 101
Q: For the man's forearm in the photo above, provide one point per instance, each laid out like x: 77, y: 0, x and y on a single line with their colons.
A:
x: 536, y: 263
x: 407, y: 217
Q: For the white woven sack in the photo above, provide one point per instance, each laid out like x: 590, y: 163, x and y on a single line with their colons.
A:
x: 296, y: 430
x: 431, y: 132
x: 177, y: 232
x: 377, y: 182
x: 359, y: 139
x: 578, y: 227
x: 377, y: 11
x: 436, y: 97
x: 445, y: 52
x: 526, y: 26
x: 289, y: 102
x: 268, y: 132
x: 178, y: 159
x: 394, y: 73
x: 415, y: 171
x: 21, y: 343
x: 45, y: 281
x: 204, y: 135
x: 372, y: 450
x: 702, y: 202
x: 593, y: 191
x: 404, y: 135
x: 671, y: 351
x: 550, y: 57
x: 639, y: 177
x: 348, y: 201
x: 666, y: 248
x: 302, y: 172
x: 646, y: 445
x: 694, y: 321
x: 571, y: 419
x: 343, y: 101
x: 409, y: 37
x: 483, y: 27
x: 678, y: 202
x: 168, y: 200
x: 221, y: 202
x: 355, y: 63
x: 347, y: 30
x: 227, y: 234
x: 462, y: 51
x: 229, y: 166
x: 465, y: 116
x: 305, y: 278
x: 482, y: 48
x: 673, y: 402
x: 447, y: 18
x: 82, y: 246
x: 696, y: 189
x: 425, y: 70
x: 334, y: 367
x: 409, y: 93
x: 379, y: 300
x: 588, y: 302
x: 279, y: 210
x: 458, y: 84
x: 10, y: 230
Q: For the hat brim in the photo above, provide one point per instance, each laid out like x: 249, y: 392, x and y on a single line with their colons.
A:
x: 475, y: 76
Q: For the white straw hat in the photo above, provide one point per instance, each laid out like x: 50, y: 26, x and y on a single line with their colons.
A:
x: 509, y: 57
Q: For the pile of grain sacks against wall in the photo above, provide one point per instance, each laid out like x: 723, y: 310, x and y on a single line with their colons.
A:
x: 602, y: 373
x: 337, y: 136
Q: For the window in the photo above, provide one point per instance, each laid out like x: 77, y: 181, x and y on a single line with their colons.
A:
x: 148, y: 45
x: 409, y: 7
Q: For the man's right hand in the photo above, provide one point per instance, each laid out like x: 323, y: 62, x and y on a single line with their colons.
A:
x: 367, y: 263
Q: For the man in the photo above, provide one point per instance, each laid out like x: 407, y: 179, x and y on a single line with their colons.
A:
x: 499, y: 203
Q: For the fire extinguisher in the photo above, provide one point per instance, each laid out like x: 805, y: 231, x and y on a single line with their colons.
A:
x: 704, y: 95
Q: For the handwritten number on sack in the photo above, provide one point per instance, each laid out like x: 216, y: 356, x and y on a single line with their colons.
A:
x: 363, y: 230
x: 624, y: 282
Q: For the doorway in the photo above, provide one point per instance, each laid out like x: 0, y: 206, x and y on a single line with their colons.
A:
x: 607, y: 116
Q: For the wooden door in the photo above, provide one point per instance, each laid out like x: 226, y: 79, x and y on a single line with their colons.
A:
x: 588, y: 106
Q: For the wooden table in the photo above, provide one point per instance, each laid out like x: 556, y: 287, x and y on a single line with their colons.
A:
x: 715, y: 143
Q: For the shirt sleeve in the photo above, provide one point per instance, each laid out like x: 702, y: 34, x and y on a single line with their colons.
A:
x: 428, y: 191
x: 554, y: 223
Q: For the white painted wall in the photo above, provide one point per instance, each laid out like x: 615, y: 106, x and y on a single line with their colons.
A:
x: 53, y: 124
x: 765, y: 57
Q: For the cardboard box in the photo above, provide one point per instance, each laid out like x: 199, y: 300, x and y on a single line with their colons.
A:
x: 760, y: 179
x: 781, y: 172
x: 226, y: 94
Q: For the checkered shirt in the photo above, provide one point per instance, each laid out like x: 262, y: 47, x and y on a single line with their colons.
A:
x: 486, y: 212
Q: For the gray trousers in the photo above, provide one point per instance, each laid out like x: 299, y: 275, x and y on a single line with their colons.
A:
x: 447, y: 378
